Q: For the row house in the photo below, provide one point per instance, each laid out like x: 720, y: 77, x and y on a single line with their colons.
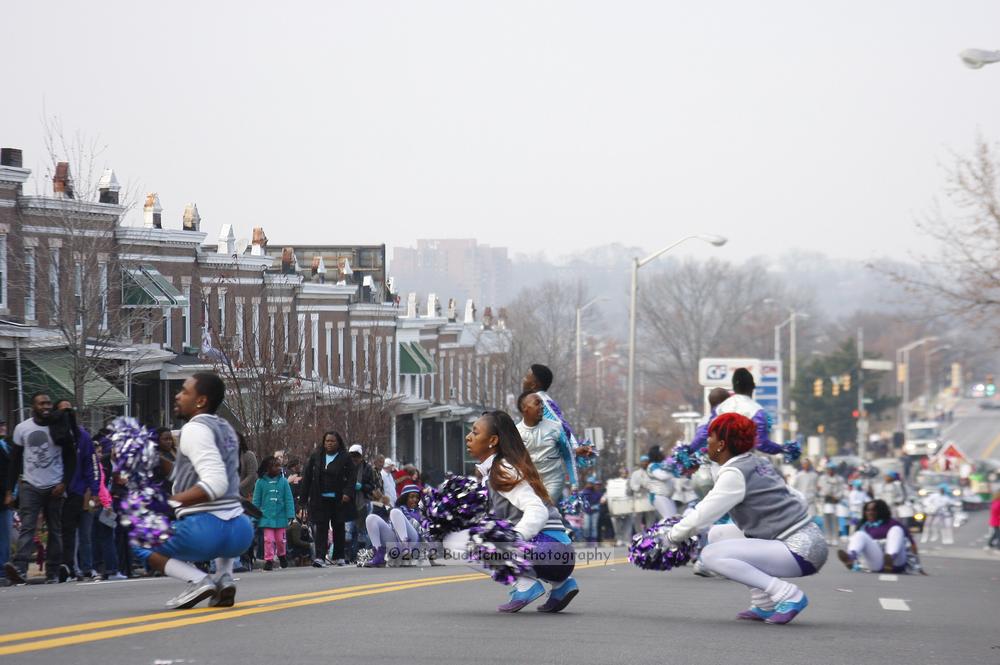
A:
x: 117, y: 317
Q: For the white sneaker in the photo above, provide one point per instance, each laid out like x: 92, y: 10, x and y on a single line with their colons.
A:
x: 193, y: 594
x: 117, y: 577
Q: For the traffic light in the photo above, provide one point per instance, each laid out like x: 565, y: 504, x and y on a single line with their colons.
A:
x: 845, y: 382
x: 991, y: 388
x: 818, y: 388
x: 834, y: 388
x: 855, y: 413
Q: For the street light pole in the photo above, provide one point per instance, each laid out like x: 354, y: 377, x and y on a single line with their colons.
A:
x: 904, y: 354
x: 579, y: 346
x: 718, y: 241
x: 793, y: 353
x: 927, y: 372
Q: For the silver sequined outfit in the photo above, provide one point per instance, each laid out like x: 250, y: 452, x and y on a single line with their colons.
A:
x: 809, y: 543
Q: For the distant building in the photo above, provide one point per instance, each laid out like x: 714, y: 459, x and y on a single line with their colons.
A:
x: 460, y: 267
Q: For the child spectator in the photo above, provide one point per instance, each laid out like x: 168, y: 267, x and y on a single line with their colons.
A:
x: 273, y: 496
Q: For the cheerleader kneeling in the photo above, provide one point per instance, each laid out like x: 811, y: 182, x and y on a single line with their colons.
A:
x: 881, y: 543
x: 517, y: 495
x: 772, y: 535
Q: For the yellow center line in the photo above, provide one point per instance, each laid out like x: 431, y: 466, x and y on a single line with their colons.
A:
x: 208, y: 615
x: 159, y: 616
x: 990, y: 448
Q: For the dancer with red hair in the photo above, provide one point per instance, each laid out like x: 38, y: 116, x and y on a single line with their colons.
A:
x: 772, y: 535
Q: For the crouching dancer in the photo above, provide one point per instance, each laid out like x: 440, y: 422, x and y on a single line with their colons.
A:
x: 772, y: 535
x: 210, y: 522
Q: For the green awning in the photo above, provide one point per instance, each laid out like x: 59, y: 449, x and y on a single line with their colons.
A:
x: 425, y: 358
x: 52, y: 371
x: 409, y: 360
x: 145, y: 286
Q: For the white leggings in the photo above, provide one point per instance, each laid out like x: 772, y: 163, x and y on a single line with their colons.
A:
x: 665, y: 506
x: 866, y: 547
x: 383, y: 533
x: 750, y: 561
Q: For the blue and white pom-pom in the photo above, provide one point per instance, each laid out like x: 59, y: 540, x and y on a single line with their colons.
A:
x: 575, y: 504
x: 143, y: 510
x: 590, y: 460
x: 650, y: 550
x: 683, y: 461
x: 495, y: 545
x: 457, y: 504
x: 791, y: 451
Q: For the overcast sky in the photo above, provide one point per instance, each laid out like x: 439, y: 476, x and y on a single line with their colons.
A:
x: 536, y: 125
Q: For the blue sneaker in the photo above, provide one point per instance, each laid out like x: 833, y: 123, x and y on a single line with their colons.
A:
x: 786, y: 610
x: 520, y: 599
x: 559, y: 598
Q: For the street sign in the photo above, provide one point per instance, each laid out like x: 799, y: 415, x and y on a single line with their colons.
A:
x: 596, y: 436
x: 877, y: 365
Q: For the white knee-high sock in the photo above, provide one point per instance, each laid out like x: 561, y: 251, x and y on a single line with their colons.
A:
x: 759, y: 598
x: 223, y: 566
x: 779, y: 590
x: 182, y: 570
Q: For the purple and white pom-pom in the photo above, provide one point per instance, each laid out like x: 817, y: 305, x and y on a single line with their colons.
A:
x: 499, y: 549
x: 791, y: 451
x: 143, y: 510
x: 457, y: 504
x: 574, y: 504
x: 651, y: 550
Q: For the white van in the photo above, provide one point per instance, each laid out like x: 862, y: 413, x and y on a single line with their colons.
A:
x: 922, y: 438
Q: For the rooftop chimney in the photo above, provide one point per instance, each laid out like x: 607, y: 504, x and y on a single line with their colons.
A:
x: 451, y: 309
x: 259, y: 243
x: 151, y: 212
x: 108, y: 187
x: 227, y: 241
x: 411, y: 306
x: 62, y: 181
x: 488, y: 318
x: 11, y: 157
x: 191, y: 220
x: 289, y: 264
x: 470, y: 311
x: 319, y: 269
x: 502, y: 319
x: 433, y: 306
x: 344, y: 267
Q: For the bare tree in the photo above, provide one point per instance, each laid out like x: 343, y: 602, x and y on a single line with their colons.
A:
x: 962, y: 276
x: 693, y: 310
x: 71, y: 272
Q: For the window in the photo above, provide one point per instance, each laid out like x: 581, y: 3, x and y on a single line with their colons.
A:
x: 54, y: 281
x: 300, y: 344
x: 222, y: 311
x: 104, y: 296
x: 329, y: 353
x: 255, y: 330
x: 78, y: 294
x: 168, y: 329
x: 186, y: 318
x: 315, y: 347
x: 378, y: 363
x: 3, y: 271
x: 29, y: 293
x: 238, y: 338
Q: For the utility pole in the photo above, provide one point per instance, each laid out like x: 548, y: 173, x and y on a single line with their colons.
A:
x: 862, y: 416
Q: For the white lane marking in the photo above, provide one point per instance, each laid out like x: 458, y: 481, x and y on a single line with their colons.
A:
x: 897, y: 604
x: 888, y: 578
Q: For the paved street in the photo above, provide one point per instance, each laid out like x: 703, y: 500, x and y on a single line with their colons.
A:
x: 975, y: 430
x: 446, y: 615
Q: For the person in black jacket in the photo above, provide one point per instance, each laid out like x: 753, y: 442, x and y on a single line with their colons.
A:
x: 6, y: 514
x: 328, y: 490
x: 44, y: 451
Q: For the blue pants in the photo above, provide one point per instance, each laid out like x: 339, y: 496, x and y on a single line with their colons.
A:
x: 203, y: 537
x: 85, y: 544
x: 104, y: 548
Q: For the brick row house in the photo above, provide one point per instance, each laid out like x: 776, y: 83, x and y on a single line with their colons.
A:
x: 116, y: 317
